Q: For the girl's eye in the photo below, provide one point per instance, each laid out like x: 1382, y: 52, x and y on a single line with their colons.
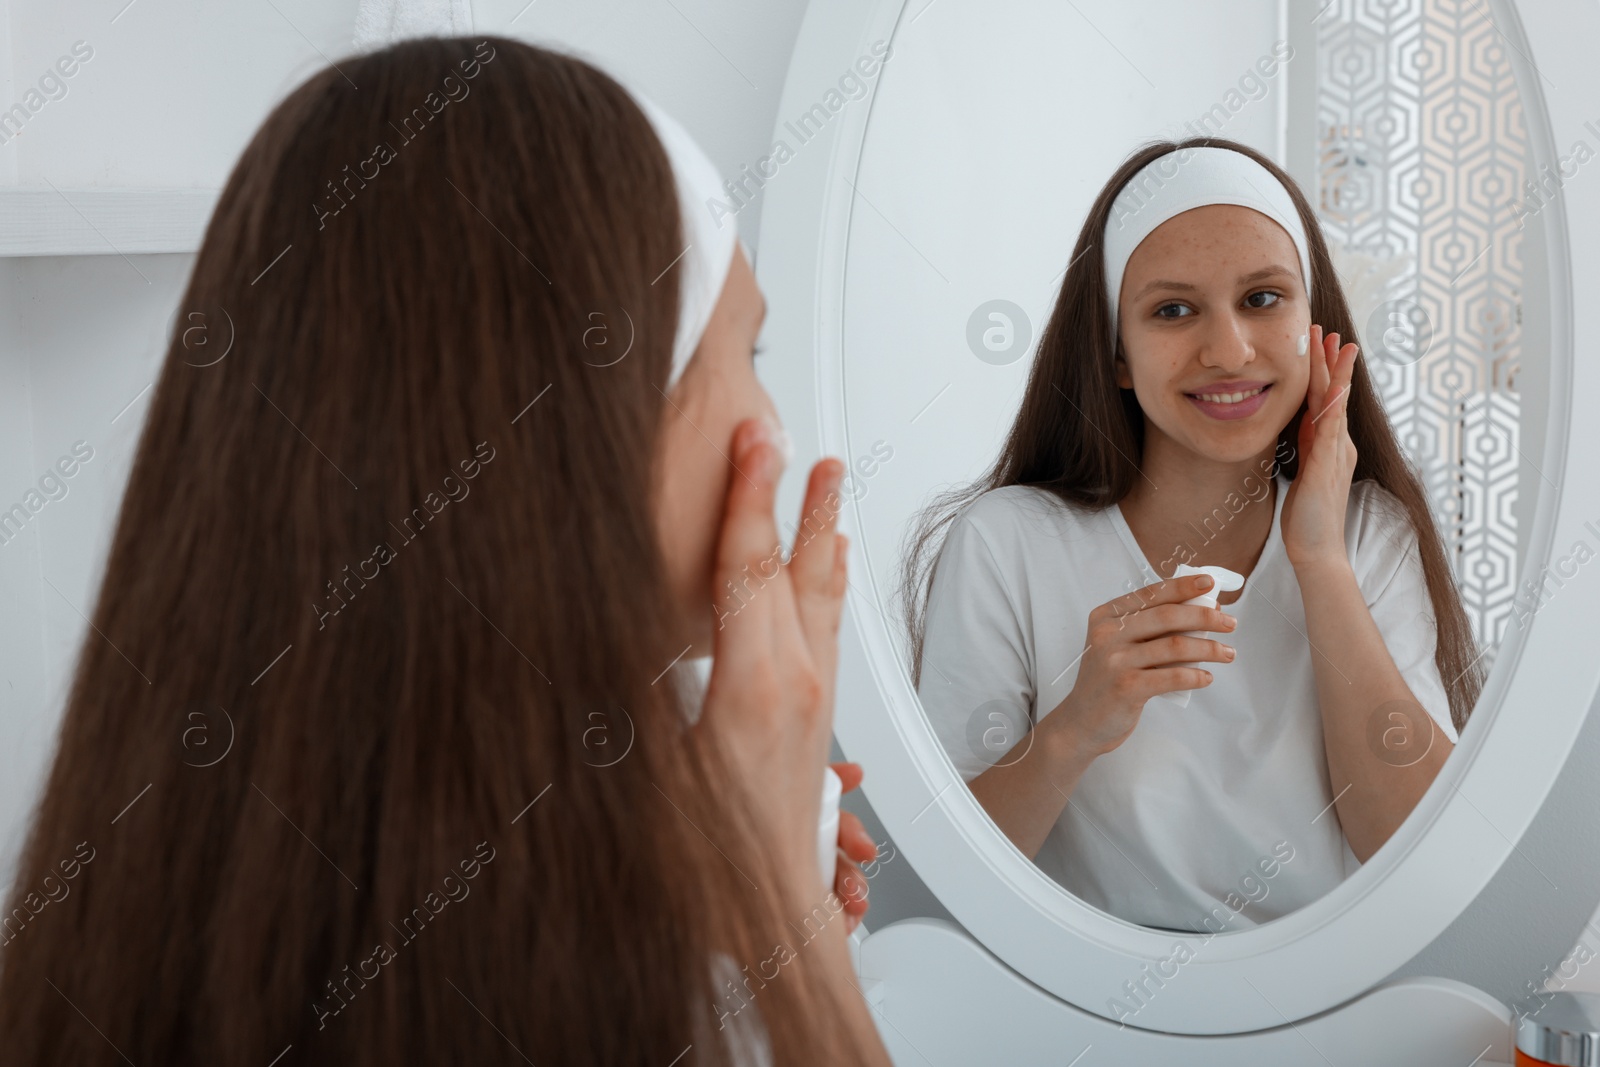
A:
x: 1276, y: 297
x: 757, y: 350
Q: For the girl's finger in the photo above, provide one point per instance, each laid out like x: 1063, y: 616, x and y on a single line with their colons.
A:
x: 851, y: 885
x: 1313, y: 356
x: 1342, y: 366
x: 1334, y: 385
x: 749, y: 554
x: 815, y: 567
x: 811, y: 563
x: 855, y: 840
x: 850, y: 775
x: 1330, y: 355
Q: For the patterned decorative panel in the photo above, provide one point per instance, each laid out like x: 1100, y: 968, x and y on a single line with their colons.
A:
x: 1423, y: 161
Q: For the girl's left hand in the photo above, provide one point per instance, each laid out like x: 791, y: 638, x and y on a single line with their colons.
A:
x: 1314, y: 511
x: 848, y: 880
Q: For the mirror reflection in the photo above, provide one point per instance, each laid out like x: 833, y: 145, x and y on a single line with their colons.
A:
x: 1199, y: 588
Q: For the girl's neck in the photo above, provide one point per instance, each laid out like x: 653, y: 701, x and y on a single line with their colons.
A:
x: 1223, y: 515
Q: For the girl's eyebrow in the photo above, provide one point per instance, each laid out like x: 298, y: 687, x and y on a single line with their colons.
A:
x: 1246, y: 279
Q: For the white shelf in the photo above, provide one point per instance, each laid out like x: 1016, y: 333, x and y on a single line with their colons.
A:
x: 47, y: 221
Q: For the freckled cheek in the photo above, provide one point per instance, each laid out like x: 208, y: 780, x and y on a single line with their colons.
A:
x: 1157, y: 370
x: 1174, y: 376
x: 1290, y: 372
x: 1299, y: 377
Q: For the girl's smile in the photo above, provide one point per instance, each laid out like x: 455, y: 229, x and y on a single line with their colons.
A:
x: 1231, y: 400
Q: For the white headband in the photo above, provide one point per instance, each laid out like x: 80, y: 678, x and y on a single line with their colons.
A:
x: 1185, y: 179
x: 709, y: 254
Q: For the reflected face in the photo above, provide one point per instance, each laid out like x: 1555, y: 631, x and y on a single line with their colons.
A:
x: 1212, y: 303
x: 717, y: 391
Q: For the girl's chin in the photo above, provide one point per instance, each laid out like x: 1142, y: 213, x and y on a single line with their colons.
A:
x: 1233, y: 442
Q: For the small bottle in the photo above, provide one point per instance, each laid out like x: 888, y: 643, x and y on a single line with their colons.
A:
x: 1565, y: 1032
x: 828, y: 827
x: 1222, y: 581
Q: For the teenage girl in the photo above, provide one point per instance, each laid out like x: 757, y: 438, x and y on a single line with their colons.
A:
x: 1197, y: 398
x: 364, y: 779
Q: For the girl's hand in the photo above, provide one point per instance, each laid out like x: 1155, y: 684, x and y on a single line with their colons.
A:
x: 769, y: 701
x: 849, y: 881
x: 1314, y: 510
x: 1129, y: 639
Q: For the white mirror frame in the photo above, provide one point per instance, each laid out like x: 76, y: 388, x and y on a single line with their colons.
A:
x: 1489, y: 791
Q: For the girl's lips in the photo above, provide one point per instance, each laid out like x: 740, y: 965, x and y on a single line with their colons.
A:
x: 1242, y: 410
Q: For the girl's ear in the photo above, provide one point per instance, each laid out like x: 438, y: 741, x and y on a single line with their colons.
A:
x: 1124, y: 378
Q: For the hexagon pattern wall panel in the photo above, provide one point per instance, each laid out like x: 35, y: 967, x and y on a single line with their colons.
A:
x: 1424, y: 175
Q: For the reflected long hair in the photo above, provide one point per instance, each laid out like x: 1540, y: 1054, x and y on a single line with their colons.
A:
x: 1087, y: 452
x: 364, y: 760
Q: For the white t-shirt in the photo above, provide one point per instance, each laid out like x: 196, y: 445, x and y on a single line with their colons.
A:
x: 1208, y: 817
x: 738, y: 1020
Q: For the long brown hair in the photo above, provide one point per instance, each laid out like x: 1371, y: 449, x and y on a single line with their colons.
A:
x: 1087, y: 452
x: 365, y: 759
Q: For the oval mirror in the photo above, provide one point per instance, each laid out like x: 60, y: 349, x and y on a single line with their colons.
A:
x: 1294, y: 834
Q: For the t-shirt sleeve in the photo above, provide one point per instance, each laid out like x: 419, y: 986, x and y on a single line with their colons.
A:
x: 1403, y: 611
x: 976, y: 686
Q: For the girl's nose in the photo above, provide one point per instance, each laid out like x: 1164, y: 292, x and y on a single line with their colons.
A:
x: 1228, y: 344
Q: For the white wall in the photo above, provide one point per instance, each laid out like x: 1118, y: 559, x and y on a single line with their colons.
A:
x: 175, y: 88
x: 68, y: 374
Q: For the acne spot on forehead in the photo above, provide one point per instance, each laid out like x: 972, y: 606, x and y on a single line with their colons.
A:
x: 1191, y: 249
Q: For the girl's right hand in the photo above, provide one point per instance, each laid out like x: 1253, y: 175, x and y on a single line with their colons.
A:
x: 775, y: 655
x: 1129, y: 640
